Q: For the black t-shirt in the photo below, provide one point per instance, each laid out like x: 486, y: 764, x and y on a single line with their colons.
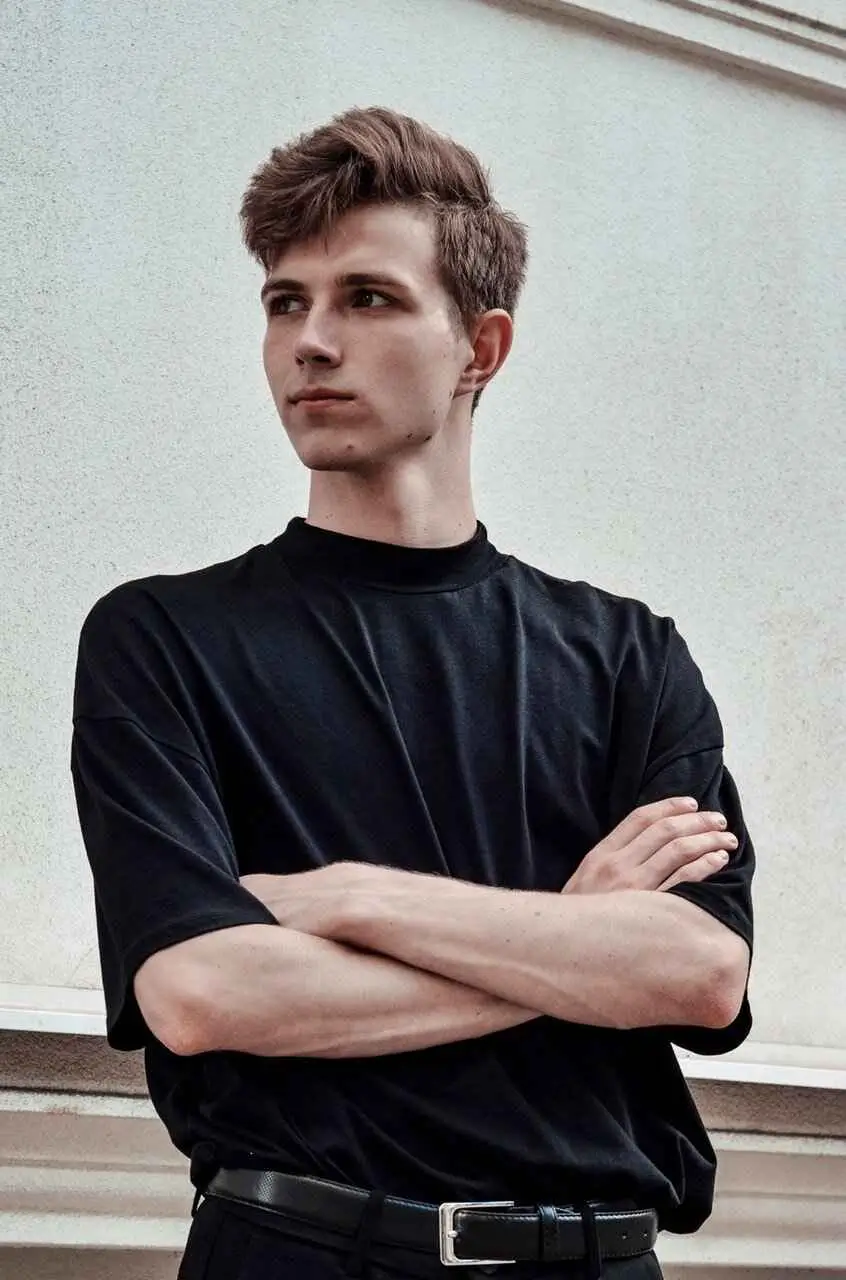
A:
x: 455, y: 711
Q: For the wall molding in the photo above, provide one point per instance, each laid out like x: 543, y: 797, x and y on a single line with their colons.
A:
x: 61, y: 1010
x: 79, y: 1012
x: 756, y: 1062
x: 790, y: 42
x: 98, y: 1171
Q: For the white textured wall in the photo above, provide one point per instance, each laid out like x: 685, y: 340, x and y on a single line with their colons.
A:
x: 670, y: 423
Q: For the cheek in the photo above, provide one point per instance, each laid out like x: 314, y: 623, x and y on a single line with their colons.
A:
x: 270, y: 354
x: 276, y: 345
x: 419, y: 369
x: 267, y: 357
x: 272, y: 369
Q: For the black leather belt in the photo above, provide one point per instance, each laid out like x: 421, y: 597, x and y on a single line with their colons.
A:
x: 462, y: 1234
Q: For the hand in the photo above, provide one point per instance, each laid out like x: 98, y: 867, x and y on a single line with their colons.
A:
x: 655, y: 847
x: 312, y: 902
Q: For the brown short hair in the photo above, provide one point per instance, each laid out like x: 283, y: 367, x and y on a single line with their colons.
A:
x: 376, y: 156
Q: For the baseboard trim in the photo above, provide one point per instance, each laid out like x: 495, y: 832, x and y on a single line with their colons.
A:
x: 98, y: 1171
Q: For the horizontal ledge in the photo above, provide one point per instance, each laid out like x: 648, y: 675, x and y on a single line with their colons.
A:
x: 58, y: 1230
x: 807, y: 1077
x: 112, y: 1106
x: 107, y: 1106
x: 81, y: 1012
x: 771, y: 39
x: 73, y: 1011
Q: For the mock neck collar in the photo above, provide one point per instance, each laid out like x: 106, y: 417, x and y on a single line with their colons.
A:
x: 309, y: 549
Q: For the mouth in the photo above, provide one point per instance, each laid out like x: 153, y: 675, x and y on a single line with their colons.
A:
x: 321, y: 396
x: 322, y: 403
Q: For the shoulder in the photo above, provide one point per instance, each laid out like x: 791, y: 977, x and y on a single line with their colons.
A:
x: 620, y: 624
x: 146, y: 602
x: 149, y: 638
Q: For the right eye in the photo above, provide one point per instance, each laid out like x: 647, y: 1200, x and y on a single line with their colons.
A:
x: 277, y: 307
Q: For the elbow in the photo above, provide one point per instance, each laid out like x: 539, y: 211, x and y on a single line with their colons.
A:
x: 179, y: 1028
x: 193, y: 1025
x: 721, y: 996
x: 175, y: 1019
x: 719, y: 1010
x: 183, y: 1036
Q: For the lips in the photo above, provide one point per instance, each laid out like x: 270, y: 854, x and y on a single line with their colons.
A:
x: 318, y: 395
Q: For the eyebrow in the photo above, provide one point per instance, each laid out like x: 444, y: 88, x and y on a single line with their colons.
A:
x: 352, y: 279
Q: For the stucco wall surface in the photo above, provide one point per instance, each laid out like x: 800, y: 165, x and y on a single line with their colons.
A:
x: 669, y: 424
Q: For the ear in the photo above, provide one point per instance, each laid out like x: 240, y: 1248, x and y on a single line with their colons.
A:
x: 491, y: 339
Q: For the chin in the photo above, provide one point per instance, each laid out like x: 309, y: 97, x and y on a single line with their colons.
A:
x: 326, y: 457
x: 333, y: 464
x: 320, y: 452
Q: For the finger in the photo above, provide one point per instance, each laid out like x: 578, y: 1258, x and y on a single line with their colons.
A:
x: 685, y: 853
x: 696, y: 871
x: 667, y: 831
x: 640, y: 820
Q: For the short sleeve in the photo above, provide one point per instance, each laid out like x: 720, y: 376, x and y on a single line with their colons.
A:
x: 152, y: 821
x: 686, y: 758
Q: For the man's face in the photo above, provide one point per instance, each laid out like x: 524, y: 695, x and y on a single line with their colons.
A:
x: 387, y: 339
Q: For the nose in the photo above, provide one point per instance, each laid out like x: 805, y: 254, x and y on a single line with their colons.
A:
x: 315, y: 342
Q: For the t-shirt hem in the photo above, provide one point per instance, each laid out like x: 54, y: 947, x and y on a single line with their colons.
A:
x: 710, y: 1041
x: 126, y: 1028
x: 720, y: 910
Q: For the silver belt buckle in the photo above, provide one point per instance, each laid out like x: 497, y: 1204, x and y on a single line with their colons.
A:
x: 447, y: 1232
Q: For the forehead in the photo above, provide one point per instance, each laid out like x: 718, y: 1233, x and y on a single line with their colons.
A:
x: 395, y: 238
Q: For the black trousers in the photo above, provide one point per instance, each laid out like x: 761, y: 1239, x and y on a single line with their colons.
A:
x: 238, y: 1242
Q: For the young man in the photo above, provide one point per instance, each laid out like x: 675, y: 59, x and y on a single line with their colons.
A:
x: 411, y: 860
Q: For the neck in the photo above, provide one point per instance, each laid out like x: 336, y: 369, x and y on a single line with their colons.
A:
x: 407, y: 506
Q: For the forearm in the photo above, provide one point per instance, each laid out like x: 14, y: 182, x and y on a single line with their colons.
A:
x: 275, y: 992
x: 628, y: 959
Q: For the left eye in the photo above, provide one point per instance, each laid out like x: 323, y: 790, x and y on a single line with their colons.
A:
x: 371, y: 293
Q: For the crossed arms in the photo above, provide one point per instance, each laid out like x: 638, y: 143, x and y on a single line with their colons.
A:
x: 372, y: 960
